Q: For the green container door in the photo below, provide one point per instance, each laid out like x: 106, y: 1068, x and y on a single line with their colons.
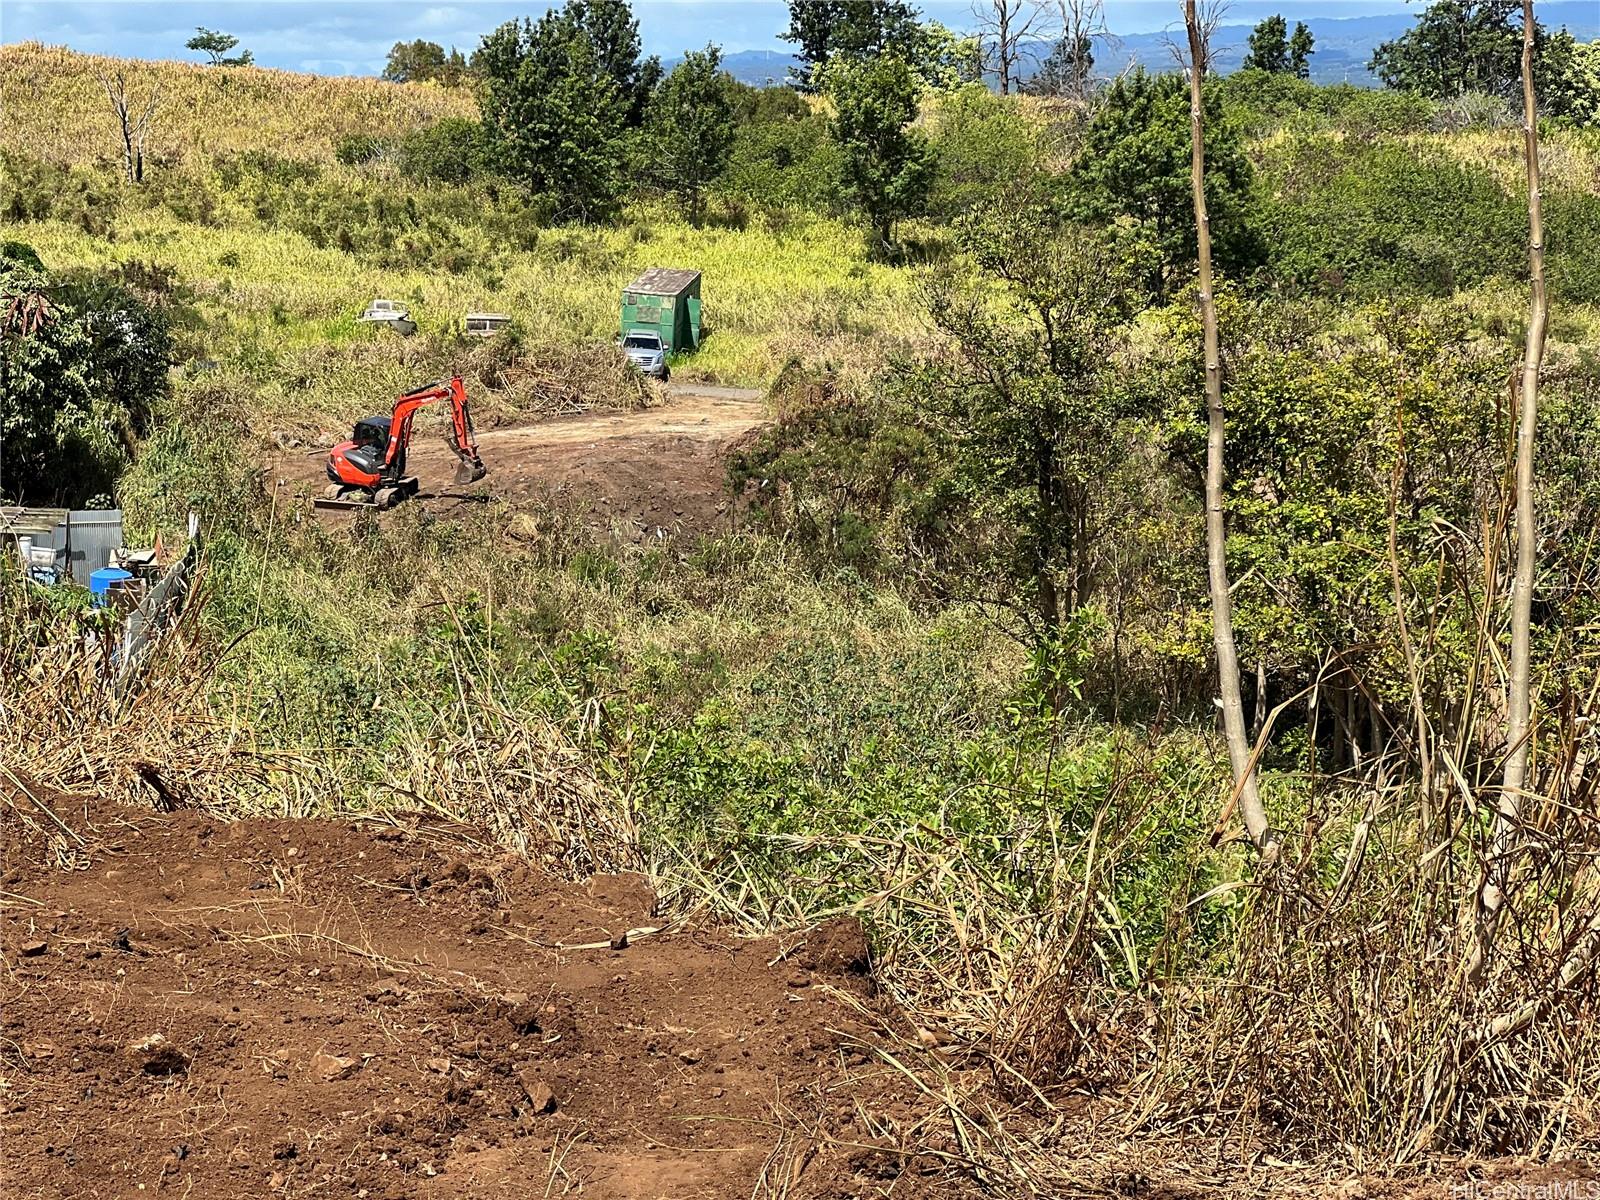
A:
x: 693, y: 305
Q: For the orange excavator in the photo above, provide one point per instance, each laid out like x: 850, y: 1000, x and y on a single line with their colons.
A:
x: 369, y: 470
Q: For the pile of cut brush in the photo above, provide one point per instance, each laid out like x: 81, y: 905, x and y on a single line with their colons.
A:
x: 510, y: 382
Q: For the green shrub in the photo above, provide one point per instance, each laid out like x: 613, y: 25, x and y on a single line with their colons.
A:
x: 357, y: 149
x: 984, y: 144
x: 1386, y: 217
x: 34, y: 190
x: 448, y: 151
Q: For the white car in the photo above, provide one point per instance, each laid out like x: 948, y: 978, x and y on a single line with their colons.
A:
x: 645, y: 351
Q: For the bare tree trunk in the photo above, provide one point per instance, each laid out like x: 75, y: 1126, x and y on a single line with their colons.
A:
x: 134, y: 130
x: 1491, y: 899
x: 1003, y: 27
x: 1233, y: 726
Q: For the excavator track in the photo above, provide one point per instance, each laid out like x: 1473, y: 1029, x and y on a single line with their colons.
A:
x: 346, y: 498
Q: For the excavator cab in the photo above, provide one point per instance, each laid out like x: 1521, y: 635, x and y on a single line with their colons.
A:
x: 371, y: 431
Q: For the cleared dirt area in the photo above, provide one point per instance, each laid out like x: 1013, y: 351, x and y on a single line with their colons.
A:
x: 645, y: 474
x: 371, y: 1009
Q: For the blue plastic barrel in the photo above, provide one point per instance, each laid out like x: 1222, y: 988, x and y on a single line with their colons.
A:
x: 102, y: 581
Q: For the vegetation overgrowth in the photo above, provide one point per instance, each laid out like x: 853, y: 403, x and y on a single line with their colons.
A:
x: 954, y: 674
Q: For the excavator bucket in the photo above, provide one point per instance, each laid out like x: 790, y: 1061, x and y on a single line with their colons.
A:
x: 469, y: 470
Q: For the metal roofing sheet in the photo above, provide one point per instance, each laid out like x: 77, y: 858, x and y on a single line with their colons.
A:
x: 663, y: 281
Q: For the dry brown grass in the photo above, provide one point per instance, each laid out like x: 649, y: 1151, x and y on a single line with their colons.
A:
x: 52, y: 106
x: 163, y: 742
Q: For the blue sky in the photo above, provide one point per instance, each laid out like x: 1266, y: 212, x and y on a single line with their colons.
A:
x: 354, y: 36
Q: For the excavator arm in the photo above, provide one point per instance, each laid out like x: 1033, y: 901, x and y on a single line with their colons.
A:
x: 462, y: 442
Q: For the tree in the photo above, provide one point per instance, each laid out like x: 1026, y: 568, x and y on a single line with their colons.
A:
x: 1519, y: 707
x: 414, y: 62
x: 1005, y: 28
x: 1133, y: 161
x: 1234, y: 732
x: 888, y: 166
x: 1269, y: 46
x: 1068, y: 69
x: 217, y: 45
x: 690, y: 128
x: 1022, y: 405
x: 557, y: 99
x: 134, y: 129
x: 82, y: 363
x: 853, y: 30
x: 1301, y: 47
x: 1460, y: 46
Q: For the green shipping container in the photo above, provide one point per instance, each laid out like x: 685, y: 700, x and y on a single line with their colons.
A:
x: 665, y: 301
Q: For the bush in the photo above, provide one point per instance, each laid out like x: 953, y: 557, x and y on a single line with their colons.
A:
x: 448, y: 151
x: 34, y: 190
x: 1386, y: 217
x: 358, y: 149
x: 788, y: 163
x: 984, y: 143
x: 1572, y: 229
x: 82, y: 371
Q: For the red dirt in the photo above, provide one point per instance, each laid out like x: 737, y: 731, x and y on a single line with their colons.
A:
x: 645, y: 474
x: 328, y: 1008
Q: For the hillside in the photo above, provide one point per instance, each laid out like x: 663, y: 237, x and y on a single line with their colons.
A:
x: 804, y: 772
x: 55, y: 107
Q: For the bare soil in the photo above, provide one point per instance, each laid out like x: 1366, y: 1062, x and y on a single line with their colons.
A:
x: 644, y: 474
x: 373, y: 1009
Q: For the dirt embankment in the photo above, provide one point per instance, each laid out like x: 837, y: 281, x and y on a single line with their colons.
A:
x: 321, y: 1008
x: 645, y: 474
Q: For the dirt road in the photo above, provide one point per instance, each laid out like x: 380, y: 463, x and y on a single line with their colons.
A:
x: 320, y: 1008
x: 644, y: 474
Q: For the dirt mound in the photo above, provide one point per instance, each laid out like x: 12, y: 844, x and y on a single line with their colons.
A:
x: 645, y: 474
x: 304, y: 1008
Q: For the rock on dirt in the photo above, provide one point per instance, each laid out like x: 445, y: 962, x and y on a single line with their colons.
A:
x: 540, y: 1095
x: 331, y: 1067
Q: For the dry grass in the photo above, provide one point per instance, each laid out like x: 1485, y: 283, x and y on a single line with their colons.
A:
x: 163, y: 742
x: 52, y: 106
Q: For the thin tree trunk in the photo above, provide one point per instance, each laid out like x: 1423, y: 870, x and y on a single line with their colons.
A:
x: 1233, y: 726
x: 1503, y: 849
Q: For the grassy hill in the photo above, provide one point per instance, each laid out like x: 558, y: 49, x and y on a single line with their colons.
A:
x: 55, y: 107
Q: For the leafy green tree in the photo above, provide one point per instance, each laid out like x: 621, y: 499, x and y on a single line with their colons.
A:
x: 423, y: 61
x: 1269, y: 46
x: 1133, y: 162
x: 82, y: 363
x: 689, y: 131
x: 555, y: 106
x: 1460, y: 46
x: 853, y: 30
x: 414, y: 62
x: 888, y: 165
x: 1301, y: 47
x: 216, y: 45
x: 1024, y: 405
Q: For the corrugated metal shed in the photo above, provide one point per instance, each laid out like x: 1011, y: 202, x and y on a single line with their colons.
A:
x: 663, y: 281
x: 85, y: 538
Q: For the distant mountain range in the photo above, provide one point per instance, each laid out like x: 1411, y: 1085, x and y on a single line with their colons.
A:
x: 1344, y: 46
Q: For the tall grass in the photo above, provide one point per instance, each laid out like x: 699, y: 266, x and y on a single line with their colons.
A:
x: 55, y: 108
